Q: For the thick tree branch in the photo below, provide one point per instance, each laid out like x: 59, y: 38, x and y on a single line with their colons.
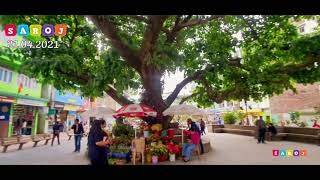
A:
x: 195, y: 22
x: 184, y: 99
x: 179, y: 87
x: 187, y: 19
x: 115, y: 96
x: 171, y: 35
x: 196, y: 76
x: 151, y: 36
x: 309, y: 63
x: 219, y: 96
x: 139, y: 18
x: 110, y: 31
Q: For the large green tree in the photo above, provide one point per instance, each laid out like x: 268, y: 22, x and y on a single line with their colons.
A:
x: 114, y: 53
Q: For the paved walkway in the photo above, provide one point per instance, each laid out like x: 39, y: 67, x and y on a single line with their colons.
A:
x: 226, y: 149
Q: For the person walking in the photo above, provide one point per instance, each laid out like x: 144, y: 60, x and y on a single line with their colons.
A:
x: 24, y: 127
x: 261, y: 130
x: 56, y: 132
x: 98, y: 144
x: 202, y: 126
x: 78, y: 132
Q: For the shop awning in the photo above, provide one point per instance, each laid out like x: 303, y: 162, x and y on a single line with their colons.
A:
x: 22, y: 97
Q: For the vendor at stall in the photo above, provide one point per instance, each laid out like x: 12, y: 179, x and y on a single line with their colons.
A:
x: 193, y: 141
x: 98, y: 147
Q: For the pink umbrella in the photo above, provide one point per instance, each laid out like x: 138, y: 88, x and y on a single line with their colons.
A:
x: 135, y: 110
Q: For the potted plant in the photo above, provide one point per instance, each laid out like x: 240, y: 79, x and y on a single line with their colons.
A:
x: 173, y: 151
x: 163, y: 153
x: 148, y: 155
x: 155, y: 153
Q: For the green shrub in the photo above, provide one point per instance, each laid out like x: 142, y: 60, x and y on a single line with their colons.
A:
x: 230, y: 117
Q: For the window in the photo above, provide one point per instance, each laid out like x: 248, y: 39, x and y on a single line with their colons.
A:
x: 5, y: 75
x: 27, y: 82
x: 10, y: 77
x: 33, y: 83
x: 1, y: 71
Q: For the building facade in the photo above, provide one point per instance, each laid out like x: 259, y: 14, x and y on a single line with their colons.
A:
x: 20, y: 100
x: 304, y: 101
x: 65, y: 107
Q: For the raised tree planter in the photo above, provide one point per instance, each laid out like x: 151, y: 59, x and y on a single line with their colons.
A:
x: 214, y: 127
x: 298, y: 134
x: 235, y: 129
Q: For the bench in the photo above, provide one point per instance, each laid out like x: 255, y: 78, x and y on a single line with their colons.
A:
x: 303, y: 138
x: 6, y: 142
x: 21, y: 140
x: 41, y: 137
x: 234, y: 131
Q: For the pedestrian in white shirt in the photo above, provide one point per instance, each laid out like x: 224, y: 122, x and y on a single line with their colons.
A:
x: 24, y: 127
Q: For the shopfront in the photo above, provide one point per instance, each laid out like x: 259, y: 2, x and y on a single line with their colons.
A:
x: 67, y: 105
x: 5, y: 114
x: 26, y: 110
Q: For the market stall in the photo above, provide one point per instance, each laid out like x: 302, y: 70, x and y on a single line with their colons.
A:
x: 157, y: 141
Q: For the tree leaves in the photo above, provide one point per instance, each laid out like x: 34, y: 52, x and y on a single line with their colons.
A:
x: 274, y: 55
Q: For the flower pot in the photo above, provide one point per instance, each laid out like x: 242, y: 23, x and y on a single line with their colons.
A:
x: 162, y: 158
x: 154, y: 159
x: 149, y: 158
x: 146, y: 134
x: 172, y: 157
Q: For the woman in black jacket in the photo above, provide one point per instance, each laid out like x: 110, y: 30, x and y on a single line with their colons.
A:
x: 97, y: 146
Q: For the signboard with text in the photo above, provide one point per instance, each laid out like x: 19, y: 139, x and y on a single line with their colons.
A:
x: 69, y: 98
x: 6, y: 99
x: 30, y: 102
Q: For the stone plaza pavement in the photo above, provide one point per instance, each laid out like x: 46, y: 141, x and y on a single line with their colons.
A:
x: 226, y: 149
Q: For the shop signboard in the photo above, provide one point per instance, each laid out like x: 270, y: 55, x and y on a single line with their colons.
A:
x: 5, y: 111
x: 70, y: 107
x: 30, y: 102
x: 52, y: 112
x: 58, y: 105
x: 69, y: 98
x: 6, y: 99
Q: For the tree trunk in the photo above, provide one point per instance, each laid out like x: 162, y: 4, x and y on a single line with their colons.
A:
x: 152, y: 96
x: 153, y: 89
